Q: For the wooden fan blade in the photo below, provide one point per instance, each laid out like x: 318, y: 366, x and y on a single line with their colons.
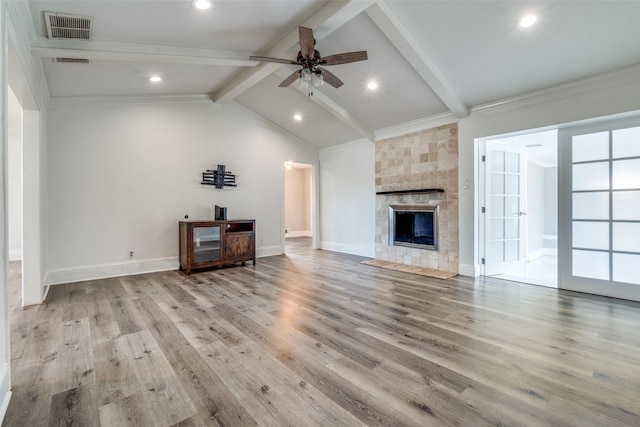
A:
x: 268, y: 59
x: 306, y: 42
x: 292, y: 78
x: 330, y: 78
x: 344, y: 58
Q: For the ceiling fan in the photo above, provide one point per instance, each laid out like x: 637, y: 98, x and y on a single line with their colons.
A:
x: 310, y: 60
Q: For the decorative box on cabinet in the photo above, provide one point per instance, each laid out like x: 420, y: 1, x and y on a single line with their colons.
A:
x: 205, y: 244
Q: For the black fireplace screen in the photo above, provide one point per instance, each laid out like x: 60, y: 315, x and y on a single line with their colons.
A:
x: 414, y: 226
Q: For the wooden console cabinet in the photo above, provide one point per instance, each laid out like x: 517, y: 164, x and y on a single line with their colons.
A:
x: 205, y: 244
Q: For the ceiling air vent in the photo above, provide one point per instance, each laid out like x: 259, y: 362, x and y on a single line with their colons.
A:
x: 71, y: 61
x: 68, y: 27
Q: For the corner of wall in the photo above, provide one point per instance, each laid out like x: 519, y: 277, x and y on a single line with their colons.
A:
x: 469, y: 270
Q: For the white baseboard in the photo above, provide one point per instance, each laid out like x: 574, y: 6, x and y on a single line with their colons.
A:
x: 538, y: 253
x: 15, y: 255
x: 269, y: 251
x: 45, y: 292
x: 469, y: 270
x: 349, y: 249
x: 303, y: 233
x: 93, y: 272
x: 5, y: 389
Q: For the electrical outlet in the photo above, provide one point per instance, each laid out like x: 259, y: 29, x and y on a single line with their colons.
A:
x: 261, y: 242
x: 131, y: 255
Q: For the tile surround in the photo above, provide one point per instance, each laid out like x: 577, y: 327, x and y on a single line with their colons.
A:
x: 425, y: 159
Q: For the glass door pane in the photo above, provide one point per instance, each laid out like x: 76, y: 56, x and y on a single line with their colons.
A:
x: 206, y: 244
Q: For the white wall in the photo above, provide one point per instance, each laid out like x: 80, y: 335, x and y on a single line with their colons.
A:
x: 120, y: 179
x: 5, y: 368
x: 347, y: 198
x: 619, y: 93
x: 535, y: 209
x: 14, y: 180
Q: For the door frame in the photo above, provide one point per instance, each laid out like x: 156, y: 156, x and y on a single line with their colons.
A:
x: 315, y: 205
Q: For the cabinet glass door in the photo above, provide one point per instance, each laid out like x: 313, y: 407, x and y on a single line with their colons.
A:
x: 206, y: 244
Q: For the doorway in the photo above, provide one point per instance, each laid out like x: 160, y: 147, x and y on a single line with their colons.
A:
x: 520, y: 207
x: 298, y: 218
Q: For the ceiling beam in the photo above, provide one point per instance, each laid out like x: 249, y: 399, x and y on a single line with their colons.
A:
x: 323, y: 22
x: 395, y: 31
x: 333, y: 108
x: 118, y: 51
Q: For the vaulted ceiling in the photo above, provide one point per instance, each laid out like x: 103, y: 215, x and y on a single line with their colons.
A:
x: 430, y: 58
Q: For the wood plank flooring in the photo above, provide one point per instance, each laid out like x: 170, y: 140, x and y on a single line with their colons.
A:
x: 314, y: 338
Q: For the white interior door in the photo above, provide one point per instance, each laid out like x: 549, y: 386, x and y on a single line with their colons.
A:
x: 504, y: 208
x: 599, y: 234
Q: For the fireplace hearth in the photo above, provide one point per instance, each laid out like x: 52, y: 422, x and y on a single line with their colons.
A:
x: 414, y: 226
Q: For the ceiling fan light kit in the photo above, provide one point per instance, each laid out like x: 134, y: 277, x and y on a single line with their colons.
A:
x: 201, y: 4
x: 311, y: 74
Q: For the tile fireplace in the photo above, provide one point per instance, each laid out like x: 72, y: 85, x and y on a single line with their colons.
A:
x: 418, y: 172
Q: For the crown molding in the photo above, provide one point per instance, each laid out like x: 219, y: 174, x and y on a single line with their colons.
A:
x: 20, y: 29
x: 116, y: 100
x: 416, y: 125
x: 336, y: 149
x: 559, y: 92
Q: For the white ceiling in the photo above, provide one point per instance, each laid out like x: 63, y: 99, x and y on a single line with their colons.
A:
x: 541, y: 147
x: 429, y: 57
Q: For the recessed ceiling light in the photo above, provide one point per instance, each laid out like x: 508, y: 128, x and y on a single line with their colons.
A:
x: 372, y: 85
x: 297, y: 117
x: 201, y: 4
x: 155, y: 79
x: 528, y: 20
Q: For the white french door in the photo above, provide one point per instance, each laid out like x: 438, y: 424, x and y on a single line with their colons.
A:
x: 599, y: 208
x: 504, y: 208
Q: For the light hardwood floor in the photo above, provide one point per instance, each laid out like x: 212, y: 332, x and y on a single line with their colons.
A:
x: 316, y: 338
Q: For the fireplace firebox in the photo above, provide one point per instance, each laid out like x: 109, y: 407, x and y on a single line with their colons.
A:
x: 414, y: 226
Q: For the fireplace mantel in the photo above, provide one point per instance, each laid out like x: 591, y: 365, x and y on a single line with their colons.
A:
x: 421, y: 190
